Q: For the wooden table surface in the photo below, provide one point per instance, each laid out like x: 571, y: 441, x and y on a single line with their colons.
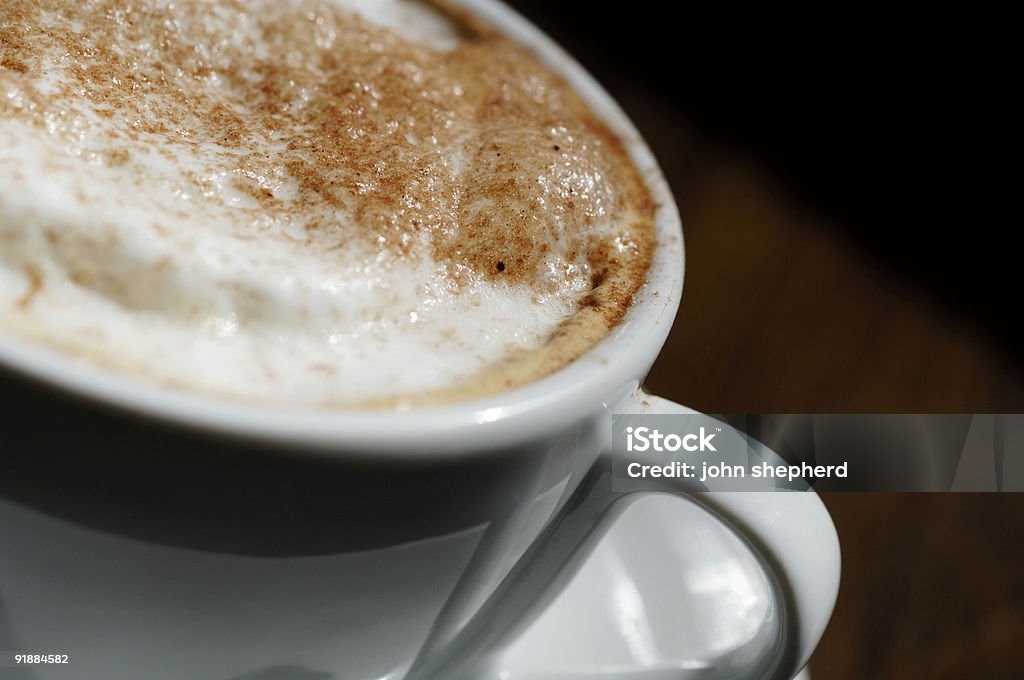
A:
x: 781, y: 313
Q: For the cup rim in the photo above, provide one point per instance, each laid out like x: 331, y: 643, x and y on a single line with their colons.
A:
x: 599, y: 377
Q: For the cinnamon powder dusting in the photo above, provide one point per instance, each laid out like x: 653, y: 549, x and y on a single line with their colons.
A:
x: 478, y: 156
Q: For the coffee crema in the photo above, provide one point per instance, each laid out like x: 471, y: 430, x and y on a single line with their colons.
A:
x: 306, y: 204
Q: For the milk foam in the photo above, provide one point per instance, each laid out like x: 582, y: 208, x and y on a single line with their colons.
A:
x: 164, y: 259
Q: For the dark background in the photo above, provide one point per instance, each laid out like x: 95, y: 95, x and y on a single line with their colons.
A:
x: 848, y: 181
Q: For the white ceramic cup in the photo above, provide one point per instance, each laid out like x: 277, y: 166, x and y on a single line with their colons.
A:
x: 149, y: 533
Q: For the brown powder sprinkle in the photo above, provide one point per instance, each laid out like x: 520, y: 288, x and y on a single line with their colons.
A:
x: 479, y: 156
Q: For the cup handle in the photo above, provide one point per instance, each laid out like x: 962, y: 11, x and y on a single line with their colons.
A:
x: 791, y: 534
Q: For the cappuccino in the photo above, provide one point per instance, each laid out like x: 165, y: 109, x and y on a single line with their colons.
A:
x: 307, y: 204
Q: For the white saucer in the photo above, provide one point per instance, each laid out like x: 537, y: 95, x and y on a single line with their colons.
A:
x: 668, y: 593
